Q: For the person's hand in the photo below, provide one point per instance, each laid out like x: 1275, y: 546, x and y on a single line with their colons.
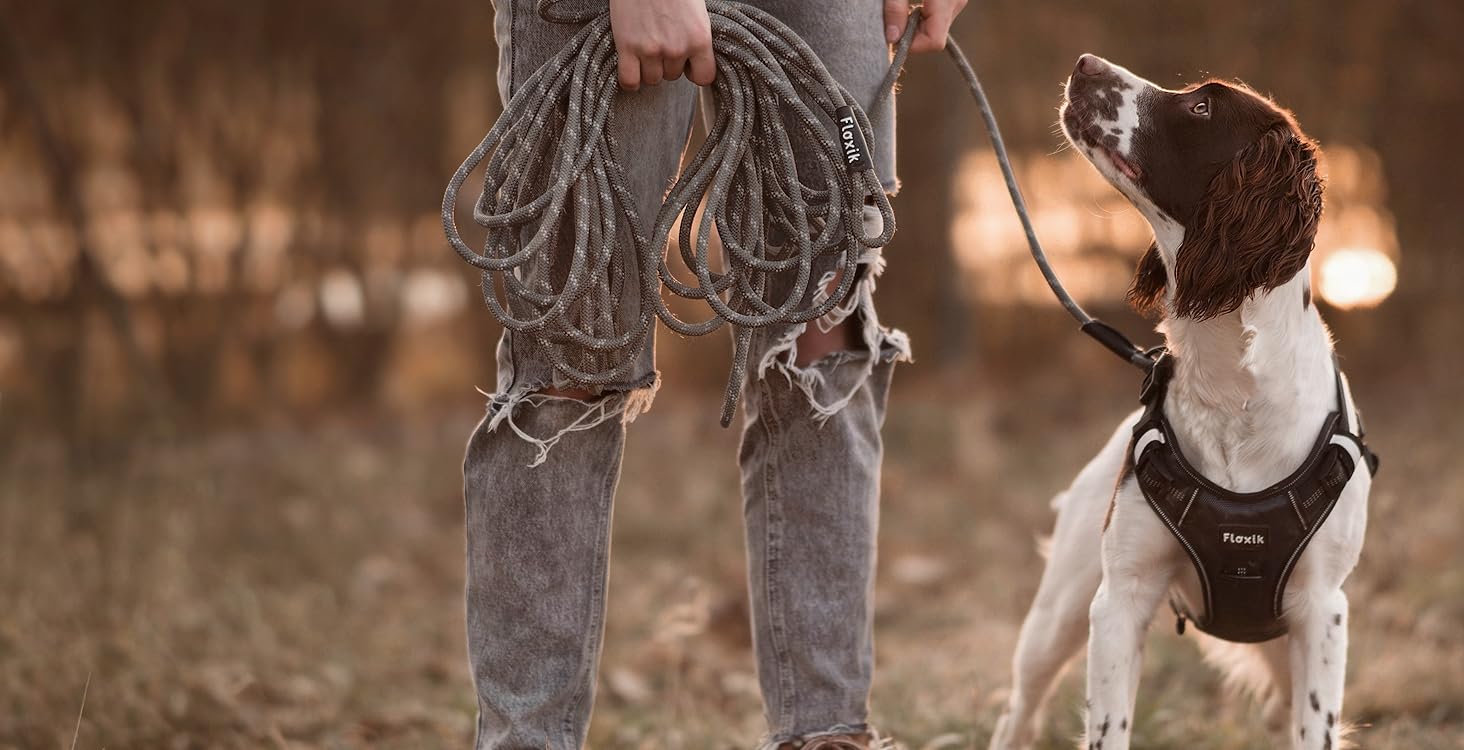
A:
x: 658, y: 40
x: 934, y: 27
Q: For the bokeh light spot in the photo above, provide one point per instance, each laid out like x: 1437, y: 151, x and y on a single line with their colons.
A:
x: 1357, y: 277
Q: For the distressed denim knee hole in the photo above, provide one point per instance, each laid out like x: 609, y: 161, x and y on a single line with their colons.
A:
x: 579, y: 415
x: 876, y: 344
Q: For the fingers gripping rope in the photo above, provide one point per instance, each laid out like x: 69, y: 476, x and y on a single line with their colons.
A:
x: 554, y: 179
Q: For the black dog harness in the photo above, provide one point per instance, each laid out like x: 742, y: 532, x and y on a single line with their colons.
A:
x: 1244, y: 545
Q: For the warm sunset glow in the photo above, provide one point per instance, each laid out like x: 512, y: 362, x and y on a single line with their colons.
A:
x: 1357, y: 277
x: 1089, y: 232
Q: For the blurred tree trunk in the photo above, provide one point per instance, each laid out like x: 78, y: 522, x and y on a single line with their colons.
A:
x: 89, y: 289
x: 1422, y: 168
x: 922, y: 281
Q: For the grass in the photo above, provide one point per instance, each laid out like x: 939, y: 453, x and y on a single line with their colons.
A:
x: 290, y: 588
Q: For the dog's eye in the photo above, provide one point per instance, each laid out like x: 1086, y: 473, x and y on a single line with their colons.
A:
x: 1201, y: 108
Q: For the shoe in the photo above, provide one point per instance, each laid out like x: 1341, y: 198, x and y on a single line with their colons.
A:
x: 860, y: 741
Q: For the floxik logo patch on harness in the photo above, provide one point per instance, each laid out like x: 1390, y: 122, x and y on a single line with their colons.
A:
x: 1243, y: 536
x: 851, y: 139
x: 1244, y: 548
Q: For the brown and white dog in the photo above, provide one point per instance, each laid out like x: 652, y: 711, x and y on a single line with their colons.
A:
x: 1228, y: 183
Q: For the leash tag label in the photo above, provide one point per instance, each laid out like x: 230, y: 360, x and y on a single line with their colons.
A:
x: 851, y: 140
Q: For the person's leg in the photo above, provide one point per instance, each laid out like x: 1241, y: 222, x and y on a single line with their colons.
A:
x: 811, y: 450
x: 811, y: 504
x: 541, y: 468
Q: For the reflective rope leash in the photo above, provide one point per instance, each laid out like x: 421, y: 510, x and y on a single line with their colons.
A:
x: 554, y: 179
x: 1105, y: 334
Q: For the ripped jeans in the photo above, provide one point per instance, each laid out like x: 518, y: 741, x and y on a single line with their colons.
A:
x: 540, y: 471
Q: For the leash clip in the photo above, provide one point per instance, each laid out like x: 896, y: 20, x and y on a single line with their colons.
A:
x: 1160, y: 369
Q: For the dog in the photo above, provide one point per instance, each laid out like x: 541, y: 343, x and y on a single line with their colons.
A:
x: 1228, y: 182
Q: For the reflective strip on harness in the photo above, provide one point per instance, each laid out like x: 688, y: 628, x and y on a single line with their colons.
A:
x: 1141, y: 442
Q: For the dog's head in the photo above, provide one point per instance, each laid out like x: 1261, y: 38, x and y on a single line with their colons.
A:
x: 1218, y: 169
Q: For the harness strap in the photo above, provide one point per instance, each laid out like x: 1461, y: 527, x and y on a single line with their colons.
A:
x: 1353, y: 429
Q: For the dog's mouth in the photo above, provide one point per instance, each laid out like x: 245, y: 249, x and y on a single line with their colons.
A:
x: 1128, y: 168
x: 1077, y: 121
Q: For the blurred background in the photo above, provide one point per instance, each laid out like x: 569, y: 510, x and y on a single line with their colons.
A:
x: 238, y: 364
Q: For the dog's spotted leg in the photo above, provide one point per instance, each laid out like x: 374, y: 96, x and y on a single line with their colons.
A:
x: 1318, y: 667
x: 1139, y: 562
x: 1057, y: 624
x: 1055, y: 627
x: 1276, y: 706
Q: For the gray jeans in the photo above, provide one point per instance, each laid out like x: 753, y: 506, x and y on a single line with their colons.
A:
x: 540, y: 471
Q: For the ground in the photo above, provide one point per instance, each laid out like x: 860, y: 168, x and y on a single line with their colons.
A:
x: 301, y: 588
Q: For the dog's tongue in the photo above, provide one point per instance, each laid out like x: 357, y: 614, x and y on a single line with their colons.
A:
x: 1128, y: 169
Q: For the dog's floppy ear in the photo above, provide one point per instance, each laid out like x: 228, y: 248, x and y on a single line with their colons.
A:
x: 1255, y: 228
x: 1146, y: 295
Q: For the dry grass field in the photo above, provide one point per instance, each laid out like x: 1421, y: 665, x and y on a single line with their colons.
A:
x: 294, y: 588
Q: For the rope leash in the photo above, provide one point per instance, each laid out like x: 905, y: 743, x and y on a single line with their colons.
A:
x: 553, y: 172
x: 553, y: 176
x: 1105, y: 334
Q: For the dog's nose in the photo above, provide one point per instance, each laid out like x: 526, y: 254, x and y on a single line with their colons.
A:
x: 1091, y: 65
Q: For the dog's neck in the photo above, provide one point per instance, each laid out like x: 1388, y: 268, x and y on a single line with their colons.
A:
x: 1251, y: 388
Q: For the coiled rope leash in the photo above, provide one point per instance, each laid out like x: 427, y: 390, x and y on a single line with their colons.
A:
x: 554, y: 173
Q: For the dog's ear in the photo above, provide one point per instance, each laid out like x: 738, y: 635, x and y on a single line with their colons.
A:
x: 1146, y: 295
x: 1255, y: 228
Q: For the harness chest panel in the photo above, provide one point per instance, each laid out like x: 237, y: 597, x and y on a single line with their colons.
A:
x: 1244, y: 546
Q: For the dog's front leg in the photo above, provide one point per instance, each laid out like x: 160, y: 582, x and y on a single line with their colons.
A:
x: 1318, y: 668
x: 1138, y: 565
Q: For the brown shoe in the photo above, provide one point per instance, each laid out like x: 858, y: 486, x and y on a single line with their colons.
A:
x: 861, y: 741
